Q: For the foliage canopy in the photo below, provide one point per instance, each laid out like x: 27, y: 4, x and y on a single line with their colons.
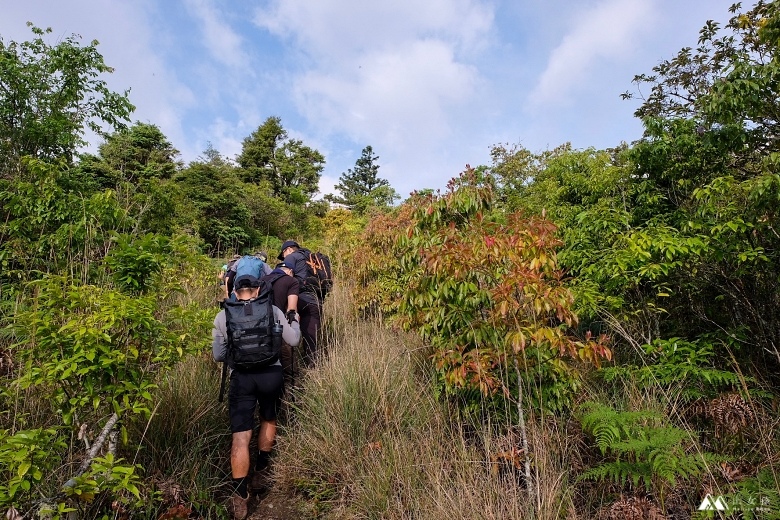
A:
x: 50, y: 96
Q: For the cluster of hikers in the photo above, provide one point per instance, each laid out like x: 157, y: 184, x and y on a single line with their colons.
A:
x: 266, y: 313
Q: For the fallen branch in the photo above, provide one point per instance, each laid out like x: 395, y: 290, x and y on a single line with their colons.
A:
x: 98, y: 443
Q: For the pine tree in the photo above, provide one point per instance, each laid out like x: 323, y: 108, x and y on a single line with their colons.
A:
x: 361, y: 187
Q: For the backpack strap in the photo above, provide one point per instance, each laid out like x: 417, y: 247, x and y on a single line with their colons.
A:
x: 273, y: 277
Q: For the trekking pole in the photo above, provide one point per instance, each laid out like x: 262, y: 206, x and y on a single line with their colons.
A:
x: 222, y: 382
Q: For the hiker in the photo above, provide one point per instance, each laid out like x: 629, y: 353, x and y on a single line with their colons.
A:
x: 286, y: 290
x: 248, y: 264
x: 223, y: 275
x: 309, y: 302
x: 257, y: 387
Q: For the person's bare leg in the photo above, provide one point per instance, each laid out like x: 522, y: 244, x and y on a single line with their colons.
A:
x: 265, y: 443
x: 239, y: 465
x: 267, y: 435
x: 239, y: 453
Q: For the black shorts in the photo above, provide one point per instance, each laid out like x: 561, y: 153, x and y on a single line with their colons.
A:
x: 247, y: 389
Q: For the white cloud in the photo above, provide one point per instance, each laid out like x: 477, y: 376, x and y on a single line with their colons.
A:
x: 221, y: 133
x: 223, y: 43
x: 399, y: 98
x: 331, y: 30
x: 327, y: 185
x: 388, y: 64
x: 610, y: 30
x: 430, y: 85
x: 397, y: 75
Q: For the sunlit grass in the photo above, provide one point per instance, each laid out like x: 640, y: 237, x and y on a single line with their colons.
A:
x: 371, y: 440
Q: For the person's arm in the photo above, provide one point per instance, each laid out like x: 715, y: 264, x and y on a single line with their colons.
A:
x: 223, y: 283
x: 292, y: 302
x: 291, y: 332
x: 229, y: 284
x: 292, y: 298
x: 219, y: 338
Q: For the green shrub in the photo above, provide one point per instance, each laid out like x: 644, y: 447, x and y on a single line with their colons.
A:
x: 693, y: 368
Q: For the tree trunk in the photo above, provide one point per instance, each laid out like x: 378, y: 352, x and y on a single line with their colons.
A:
x: 524, y: 435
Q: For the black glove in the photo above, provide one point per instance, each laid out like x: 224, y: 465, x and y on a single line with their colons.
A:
x: 291, y: 317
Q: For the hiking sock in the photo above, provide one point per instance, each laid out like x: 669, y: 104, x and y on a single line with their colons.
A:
x: 262, y: 460
x: 240, y: 487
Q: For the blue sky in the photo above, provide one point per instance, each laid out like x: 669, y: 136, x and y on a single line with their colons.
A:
x: 431, y: 86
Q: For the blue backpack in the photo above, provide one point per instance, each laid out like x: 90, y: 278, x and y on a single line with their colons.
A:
x: 249, y: 264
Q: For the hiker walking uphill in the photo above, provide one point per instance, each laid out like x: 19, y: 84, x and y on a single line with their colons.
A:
x: 285, y: 290
x: 247, y: 336
x: 254, y: 265
x: 312, y: 270
x: 225, y: 272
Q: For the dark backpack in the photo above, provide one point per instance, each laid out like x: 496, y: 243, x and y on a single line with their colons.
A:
x: 254, y: 338
x: 319, y: 277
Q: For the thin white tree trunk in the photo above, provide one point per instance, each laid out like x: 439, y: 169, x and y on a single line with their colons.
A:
x: 524, y: 435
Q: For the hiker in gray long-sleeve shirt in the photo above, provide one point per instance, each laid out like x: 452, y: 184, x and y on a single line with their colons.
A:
x: 259, y: 387
x: 291, y: 334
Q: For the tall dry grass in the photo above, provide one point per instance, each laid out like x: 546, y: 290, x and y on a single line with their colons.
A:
x: 184, y: 447
x: 371, y: 440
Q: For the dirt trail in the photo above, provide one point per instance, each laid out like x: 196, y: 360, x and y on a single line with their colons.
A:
x: 273, y: 505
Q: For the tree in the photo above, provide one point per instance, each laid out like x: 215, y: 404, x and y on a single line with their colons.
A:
x: 217, y: 201
x: 257, y: 152
x: 677, y: 236
x: 212, y: 156
x: 291, y: 168
x: 140, y: 152
x: 296, y: 171
x: 712, y: 150
x: 136, y: 162
x: 136, y: 154
x: 728, y: 85
x: 361, y: 187
x: 49, y: 97
x: 45, y: 227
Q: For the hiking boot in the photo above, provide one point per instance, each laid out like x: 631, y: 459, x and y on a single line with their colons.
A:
x: 237, y: 506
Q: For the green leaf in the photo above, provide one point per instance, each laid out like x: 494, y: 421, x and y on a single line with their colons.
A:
x: 23, y: 468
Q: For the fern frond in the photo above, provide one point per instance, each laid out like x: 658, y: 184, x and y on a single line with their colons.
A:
x: 643, y: 449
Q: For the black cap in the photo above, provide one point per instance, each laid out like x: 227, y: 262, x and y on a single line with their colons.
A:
x: 288, y: 263
x: 246, y: 281
x: 288, y: 243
